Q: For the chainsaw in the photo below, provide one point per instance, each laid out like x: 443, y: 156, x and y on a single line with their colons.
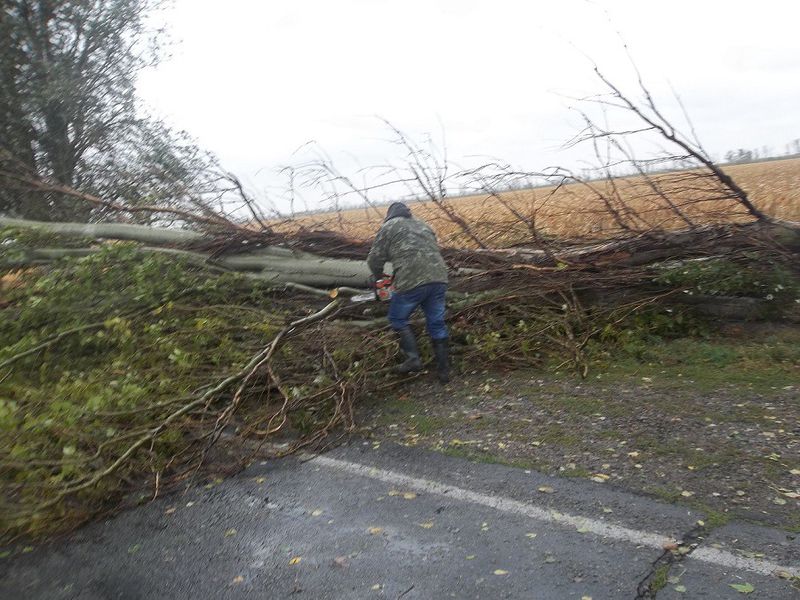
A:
x: 383, y: 290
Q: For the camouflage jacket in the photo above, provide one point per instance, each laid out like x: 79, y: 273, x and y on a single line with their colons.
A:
x: 410, y: 245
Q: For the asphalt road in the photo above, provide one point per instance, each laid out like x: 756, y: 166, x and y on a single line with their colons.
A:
x: 392, y: 522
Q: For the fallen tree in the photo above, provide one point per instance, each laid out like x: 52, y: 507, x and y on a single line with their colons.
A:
x: 270, y: 263
x: 129, y: 351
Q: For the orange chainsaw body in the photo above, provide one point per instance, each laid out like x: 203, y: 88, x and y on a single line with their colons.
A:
x: 384, y: 288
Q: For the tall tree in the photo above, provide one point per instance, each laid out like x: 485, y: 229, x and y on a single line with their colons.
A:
x: 69, y: 114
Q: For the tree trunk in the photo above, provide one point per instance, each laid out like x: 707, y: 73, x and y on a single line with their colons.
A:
x: 275, y: 264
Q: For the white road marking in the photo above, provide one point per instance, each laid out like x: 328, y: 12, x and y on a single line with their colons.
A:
x: 548, y: 515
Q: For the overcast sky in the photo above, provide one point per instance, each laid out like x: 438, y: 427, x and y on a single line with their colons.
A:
x: 254, y: 81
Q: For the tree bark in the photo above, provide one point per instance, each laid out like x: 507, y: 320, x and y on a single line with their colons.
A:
x: 274, y: 264
x: 111, y: 231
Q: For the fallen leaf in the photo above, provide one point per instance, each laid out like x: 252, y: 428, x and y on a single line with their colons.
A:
x: 132, y: 550
x: 778, y: 501
x: 795, y: 471
x: 687, y: 494
x: 599, y: 477
x: 406, y: 495
x: 586, y: 598
x: 230, y: 532
x: 673, y: 579
x: 426, y: 524
x: 260, y: 480
x: 500, y: 572
x: 238, y: 579
x: 546, y: 489
x: 316, y: 513
x: 607, y: 510
x: 28, y: 549
x: 582, y: 529
x: 680, y: 588
x: 742, y: 588
x: 549, y: 558
x: 471, y: 557
x: 530, y: 535
x: 5, y: 554
x: 295, y: 560
x: 170, y: 510
x: 375, y: 530
x: 376, y: 587
x: 670, y: 546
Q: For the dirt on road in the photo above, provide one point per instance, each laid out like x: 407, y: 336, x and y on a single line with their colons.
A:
x: 716, y: 430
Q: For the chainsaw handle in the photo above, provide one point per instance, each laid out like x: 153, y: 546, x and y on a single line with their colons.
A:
x: 374, y: 280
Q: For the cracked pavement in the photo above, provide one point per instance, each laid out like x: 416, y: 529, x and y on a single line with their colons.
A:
x: 384, y: 521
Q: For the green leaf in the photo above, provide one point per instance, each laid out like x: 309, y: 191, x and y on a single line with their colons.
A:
x: 743, y: 588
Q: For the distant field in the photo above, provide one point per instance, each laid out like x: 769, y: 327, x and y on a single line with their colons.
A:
x: 575, y: 211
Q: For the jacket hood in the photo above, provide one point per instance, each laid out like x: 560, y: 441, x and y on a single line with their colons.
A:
x: 397, y: 209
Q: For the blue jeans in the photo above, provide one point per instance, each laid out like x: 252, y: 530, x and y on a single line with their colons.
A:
x: 431, y: 298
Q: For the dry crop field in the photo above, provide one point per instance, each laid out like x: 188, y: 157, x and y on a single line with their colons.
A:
x: 577, y: 211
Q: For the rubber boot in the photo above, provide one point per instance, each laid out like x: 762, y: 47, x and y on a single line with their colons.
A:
x: 408, y: 344
x: 441, y: 353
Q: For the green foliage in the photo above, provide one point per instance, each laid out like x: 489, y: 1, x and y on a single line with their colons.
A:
x: 154, y: 329
x: 755, y: 276
x: 547, y: 335
x: 125, y: 339
x: 500, y: 335
x: 638, y: 333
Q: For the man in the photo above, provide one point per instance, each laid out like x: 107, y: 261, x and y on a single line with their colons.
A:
x: 420, y: 279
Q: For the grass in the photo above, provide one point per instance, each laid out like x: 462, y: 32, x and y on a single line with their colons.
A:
x: 425, y: 425
x: 670, y: 495
x: 659, y: 580
x: 768, y: 364
x: 713, y: 519
x: 578, y: 472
